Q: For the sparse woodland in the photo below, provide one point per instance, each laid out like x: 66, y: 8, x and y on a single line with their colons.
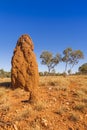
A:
x: 62, y: 99
x: 62, y: 105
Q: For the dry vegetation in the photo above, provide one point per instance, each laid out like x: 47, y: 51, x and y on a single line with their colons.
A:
x: 62, y: 105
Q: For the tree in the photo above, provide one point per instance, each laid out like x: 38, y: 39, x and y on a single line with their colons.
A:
x: 75, y: 56
x: 66, y: 58
x: 71, y: 57
x: 4, y: 73
x: 49, y: 60
x: 83, y: 68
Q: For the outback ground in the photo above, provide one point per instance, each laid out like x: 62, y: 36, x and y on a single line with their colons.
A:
x: 62, y: 105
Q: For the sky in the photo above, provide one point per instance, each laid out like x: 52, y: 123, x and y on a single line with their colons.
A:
x: 53, y: 25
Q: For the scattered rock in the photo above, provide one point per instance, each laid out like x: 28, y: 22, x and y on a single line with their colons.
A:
x: 44, y: 122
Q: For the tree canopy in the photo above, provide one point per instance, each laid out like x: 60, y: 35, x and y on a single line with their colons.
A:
x: 71, y: 58
x: 67, y: 57
x: 49, y: 60
x: 83, y: 68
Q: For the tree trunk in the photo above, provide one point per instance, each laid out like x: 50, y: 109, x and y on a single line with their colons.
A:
x: 66, y: 67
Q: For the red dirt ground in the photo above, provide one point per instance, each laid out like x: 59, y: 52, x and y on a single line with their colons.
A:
x: 62, y: 105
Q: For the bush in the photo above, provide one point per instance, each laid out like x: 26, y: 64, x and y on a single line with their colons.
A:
x: 4, y: 74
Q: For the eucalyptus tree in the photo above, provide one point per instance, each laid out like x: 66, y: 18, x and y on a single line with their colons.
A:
x: 75, y: 56
x: 49, y: 60
x: 83, y: 68
x: 67, y: 57
x: 71, y: 58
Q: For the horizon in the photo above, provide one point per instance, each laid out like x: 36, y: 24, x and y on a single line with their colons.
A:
x: 52, y: 26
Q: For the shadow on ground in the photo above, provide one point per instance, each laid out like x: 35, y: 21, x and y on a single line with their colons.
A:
x: 5, y: 84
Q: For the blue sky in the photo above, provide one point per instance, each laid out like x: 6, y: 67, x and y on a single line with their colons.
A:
x: 53, y: 25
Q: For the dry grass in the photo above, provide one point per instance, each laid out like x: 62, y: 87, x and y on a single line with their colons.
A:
x: 54, y: 81
x: 73, y: 117
x: 62, y: 105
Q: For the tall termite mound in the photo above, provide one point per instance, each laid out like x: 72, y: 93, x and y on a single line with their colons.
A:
x: 24, y: 72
